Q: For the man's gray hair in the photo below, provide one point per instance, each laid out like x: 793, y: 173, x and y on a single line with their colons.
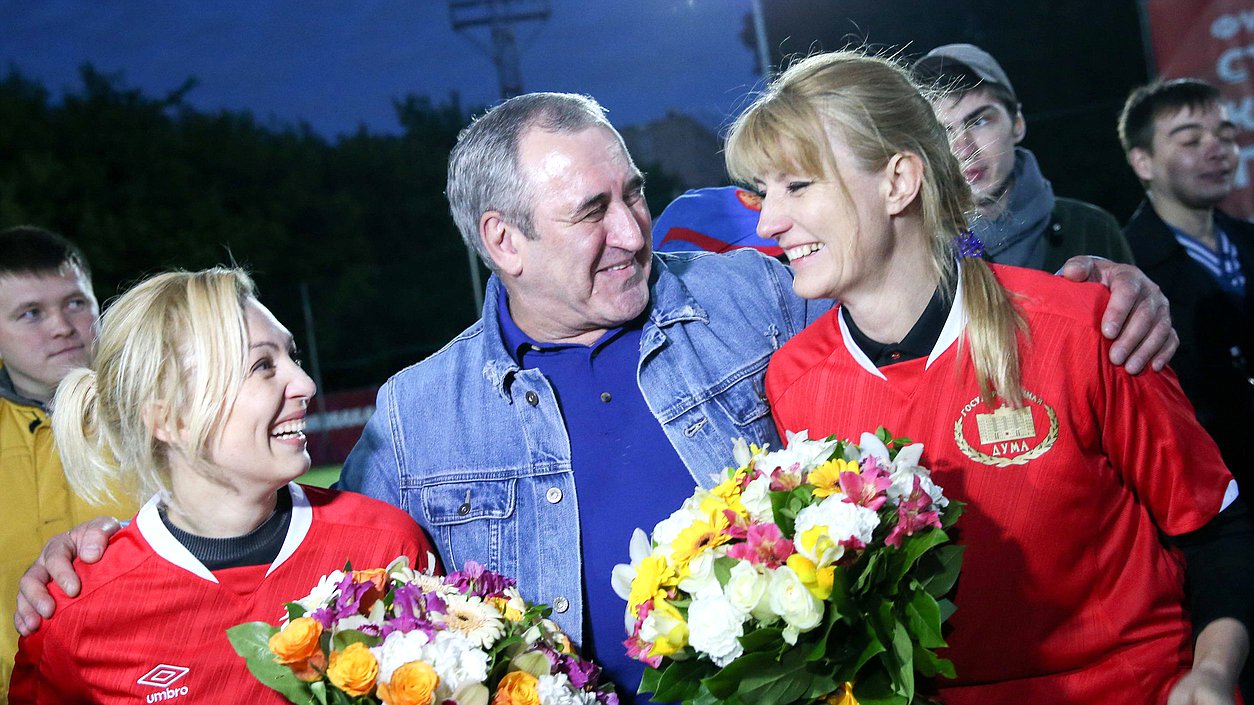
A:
x: 483, y: 170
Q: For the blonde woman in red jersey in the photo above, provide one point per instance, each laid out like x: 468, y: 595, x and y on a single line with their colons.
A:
x: 196, y: 401
x: 1071, y: 468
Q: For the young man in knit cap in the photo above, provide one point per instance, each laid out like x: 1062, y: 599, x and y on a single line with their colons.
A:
x: 1020, y: 220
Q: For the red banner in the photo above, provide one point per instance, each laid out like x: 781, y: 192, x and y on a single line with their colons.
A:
x: 1213, y: 40
x: 334, y: 426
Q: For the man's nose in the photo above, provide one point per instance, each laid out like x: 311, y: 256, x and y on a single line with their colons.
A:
x: 625, y: 230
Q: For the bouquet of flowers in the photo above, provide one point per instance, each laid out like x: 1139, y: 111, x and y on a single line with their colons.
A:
x: 401, y: 637
x: 817, y: 572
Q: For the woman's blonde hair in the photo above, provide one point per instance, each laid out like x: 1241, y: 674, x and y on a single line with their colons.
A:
x: 871, y: 104
x: 170, y: 357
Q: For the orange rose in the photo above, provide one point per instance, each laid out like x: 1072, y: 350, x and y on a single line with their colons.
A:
x: 411, y: 684
x: 297, y: 642
x: 517, y: 688
x: 353, y: 670
x: 378, y: 578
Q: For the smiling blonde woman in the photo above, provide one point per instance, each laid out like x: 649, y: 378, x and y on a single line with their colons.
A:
x: 1071, y: 467
x: 197, y: 401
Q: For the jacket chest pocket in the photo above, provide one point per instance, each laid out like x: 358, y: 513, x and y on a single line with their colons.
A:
x: 473, y: 520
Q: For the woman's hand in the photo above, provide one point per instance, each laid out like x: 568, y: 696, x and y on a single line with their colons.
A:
x: 87, y: 541
x: 1137, y: 318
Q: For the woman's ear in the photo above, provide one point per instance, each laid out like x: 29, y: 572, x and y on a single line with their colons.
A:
x: 903, y: 179
x: 164, y: 426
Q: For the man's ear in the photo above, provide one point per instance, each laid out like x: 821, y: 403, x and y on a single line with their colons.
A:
x: 1019, y: 126
x: 1142, y: 163
x: 502, y: 240
x: 903, y: 178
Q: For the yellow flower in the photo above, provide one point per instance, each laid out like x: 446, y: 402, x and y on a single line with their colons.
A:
x: 700, y: 536
x: 353, y: 670
x: 726, y: 495
x: 297, y: 642
x: 411, y: 684
x: 844, y: 696
x: 517, y: 688
x: 826, y: 477
x: 506, y: 607
x: 665, y: 628
x: 651, y: 575
x: 817, y: 580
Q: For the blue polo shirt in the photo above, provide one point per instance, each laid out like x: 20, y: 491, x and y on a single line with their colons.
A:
x: 627, y: 474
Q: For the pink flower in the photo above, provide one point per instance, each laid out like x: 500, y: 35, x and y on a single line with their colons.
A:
x: 914, y: 513
x: 764, y: 545
x: 786, y: 479
x: 638, y: 648
x: 868, y: 489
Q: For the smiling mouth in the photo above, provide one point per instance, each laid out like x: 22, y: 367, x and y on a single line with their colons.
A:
x: 68, y: 351
x: 617, y: 268
x: 289, y: 430
x: 802, y: 251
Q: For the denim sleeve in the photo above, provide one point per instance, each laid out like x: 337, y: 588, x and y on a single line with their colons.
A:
x: 371, y: 467
x: 798, y: 312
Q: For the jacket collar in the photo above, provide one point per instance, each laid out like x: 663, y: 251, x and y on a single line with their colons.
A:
x: 1151, y: 239
x: 670, y: 302
x: 8, y: 392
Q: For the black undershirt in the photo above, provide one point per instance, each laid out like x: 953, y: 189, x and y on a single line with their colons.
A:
x: 258, y: 547
x: 1219, y: 557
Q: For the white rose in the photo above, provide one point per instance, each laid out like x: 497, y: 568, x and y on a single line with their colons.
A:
x: 747, y: 590
x: 701, y: 579
x: 715, y: 626
x: 756, y: 499
x: 791, y: 600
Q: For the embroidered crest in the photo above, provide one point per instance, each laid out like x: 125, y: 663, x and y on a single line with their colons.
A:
x: 1003, y: 436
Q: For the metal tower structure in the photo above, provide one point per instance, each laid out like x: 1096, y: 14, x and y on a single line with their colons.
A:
x: 500, y: 17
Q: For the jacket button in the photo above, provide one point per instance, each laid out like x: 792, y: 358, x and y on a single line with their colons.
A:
x: 554, y: 495
x: 533, y: 398
x: 560, y: 604
x: 605, y: 397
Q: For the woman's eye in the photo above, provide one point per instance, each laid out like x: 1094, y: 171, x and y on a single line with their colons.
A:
x: 797, y: 186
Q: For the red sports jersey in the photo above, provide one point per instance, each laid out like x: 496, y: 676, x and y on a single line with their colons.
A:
x: 150, y: 624
x: 1066, y: 595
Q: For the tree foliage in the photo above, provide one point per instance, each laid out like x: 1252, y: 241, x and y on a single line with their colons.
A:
x: 146, y: 184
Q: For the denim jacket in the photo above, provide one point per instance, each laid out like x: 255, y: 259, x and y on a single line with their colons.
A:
x: 475, y: 449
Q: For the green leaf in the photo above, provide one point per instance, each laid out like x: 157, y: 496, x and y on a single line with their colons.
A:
x: 295, y: 610
x: 343, y: 639
x: 930, y: 665
x: 319, y: 689
x: 952, y: 513
x: 941, y: 570
x: 722, y: 569
x: 947, y: 609
x: 912, y: 548
x: 680, y: 680
x: 763, y: 680
x: 923, y: 619
x: 252, y: 642
x: 649, y: 681
x: 763, y: 639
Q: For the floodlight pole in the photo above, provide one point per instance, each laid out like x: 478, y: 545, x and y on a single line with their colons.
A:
x: 759, y: 31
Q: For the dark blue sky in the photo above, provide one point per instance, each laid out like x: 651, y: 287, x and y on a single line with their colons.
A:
x: 336, y: 64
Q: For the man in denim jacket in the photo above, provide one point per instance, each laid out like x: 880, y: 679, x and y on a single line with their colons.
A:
x: 474, y: 441
x: 601, y: 383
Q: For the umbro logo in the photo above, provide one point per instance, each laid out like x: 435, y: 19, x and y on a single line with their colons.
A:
x: 163, y: 675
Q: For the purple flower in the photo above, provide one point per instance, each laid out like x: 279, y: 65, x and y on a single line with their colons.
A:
x: 476, y: 581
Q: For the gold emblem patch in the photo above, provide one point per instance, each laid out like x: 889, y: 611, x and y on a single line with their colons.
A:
x: 1006, y: 436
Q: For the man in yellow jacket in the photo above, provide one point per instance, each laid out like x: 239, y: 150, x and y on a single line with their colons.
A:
x: 47, y: 327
